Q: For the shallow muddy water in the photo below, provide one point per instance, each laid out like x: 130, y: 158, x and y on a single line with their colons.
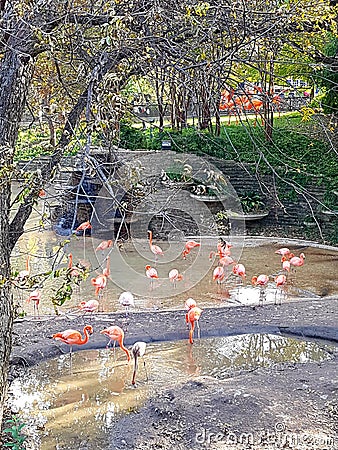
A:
x: 67, y: 407
x: 318, y: 276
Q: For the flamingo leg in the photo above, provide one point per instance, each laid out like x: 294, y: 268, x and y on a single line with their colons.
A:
x: 84, y: 244
x: 191, y: 333
x: 133, y: 382
x: 145, y: 369
x: 198, y: 330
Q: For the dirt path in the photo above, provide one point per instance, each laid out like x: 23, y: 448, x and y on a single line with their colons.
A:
x: 286, y: 406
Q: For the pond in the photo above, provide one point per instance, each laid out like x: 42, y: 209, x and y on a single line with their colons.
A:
x: 317, y: 278
x: 67, y: 407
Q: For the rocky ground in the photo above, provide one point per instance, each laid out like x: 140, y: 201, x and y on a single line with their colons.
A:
x: 286, y: 406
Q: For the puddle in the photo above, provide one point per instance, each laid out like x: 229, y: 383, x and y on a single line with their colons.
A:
x: 318, y: 276
x: 67, y: 408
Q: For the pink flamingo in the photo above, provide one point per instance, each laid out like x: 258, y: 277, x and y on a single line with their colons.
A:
x: 239, y: 270
x: 188, y: 305
x: 116, y: 334
x: 226, y: 261
x: 155, y: 249
x: 174, y: 276
x: 193, y: 316
x: 297, y: 262
x: 84, y: 226
x: 223, y: 248
x: 90, y: 306
x: 188, y: 246
x: 283, y: 251
x: 261, y: 281
x: 72, y: 272
x: 280, y: 281
x: 104, y: 245
x: 151, y: 273
x: 286, y: 264
x: 100, y: 283
x: 35, y: 297
x: 218, y: 274
x: 73, y: 337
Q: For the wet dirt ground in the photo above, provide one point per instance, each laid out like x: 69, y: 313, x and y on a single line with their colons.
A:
x: 284, y: 406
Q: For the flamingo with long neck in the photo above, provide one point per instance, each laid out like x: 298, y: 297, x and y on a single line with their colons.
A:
x: 138, y: 350
x: 35, y: 297
x: 74, y: 337
x: 84, y: 226
x: 193, y: 316
x: 116, y: 334
x: 23, y: 274
x: 189, y: 245
x: 188, y: 305
x: 155, y: 249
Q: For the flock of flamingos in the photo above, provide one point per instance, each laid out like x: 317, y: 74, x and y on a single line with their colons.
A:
x: 193, y: 312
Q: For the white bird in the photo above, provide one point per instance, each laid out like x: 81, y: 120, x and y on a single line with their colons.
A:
x: 126, y: 299
x: 138, y: 350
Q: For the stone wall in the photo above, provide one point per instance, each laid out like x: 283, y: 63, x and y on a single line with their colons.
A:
x: 286, y: 216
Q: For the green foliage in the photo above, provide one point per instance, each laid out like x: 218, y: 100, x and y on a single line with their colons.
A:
x: 251, y: 202
x: 17, y: 438
x: 31, y: 143
x: 327, y: 78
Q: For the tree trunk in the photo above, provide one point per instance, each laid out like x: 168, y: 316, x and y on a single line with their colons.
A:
x: 15, y: 76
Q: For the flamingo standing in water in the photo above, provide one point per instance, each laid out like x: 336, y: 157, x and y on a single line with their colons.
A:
x: 126, y: 299
x: 155, y: 249
x: 84, y: 226
x: 35, y: 297
x: 239, y: 270
x: 262, y: 282
x: 223, y: 247
x: 116, y: 334
x: 151, y: 273
x: 138, y: 350
x: 193, y: 316
x: 104, y: 245
x: 73, y: 337
x: 218, y: 275
x: 100, y: 282
x: 188, y: 305
x: 280, y: 281
x: 174, y: 276
x: 285, y: 264
x: 188, y: 246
